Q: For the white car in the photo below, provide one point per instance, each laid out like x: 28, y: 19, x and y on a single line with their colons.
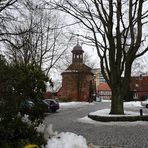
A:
x: 145, y: 103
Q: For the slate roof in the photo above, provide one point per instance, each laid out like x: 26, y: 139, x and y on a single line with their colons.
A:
x: 78, y: 67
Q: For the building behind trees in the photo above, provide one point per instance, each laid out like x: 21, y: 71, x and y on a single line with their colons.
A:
x: 77, y: 79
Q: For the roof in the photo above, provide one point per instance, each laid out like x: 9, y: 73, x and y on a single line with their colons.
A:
x: 103, y: 86
x: 77, y: 48
x: 78, y: 67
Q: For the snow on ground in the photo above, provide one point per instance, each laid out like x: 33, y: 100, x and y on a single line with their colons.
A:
x: 67, y: 140
x: 71, y: 140
x: 105, y: 112
x: 132, y: 104
x: 73, y: 104
x: 61, y: 140
x: 97, y: 123
x: 79, y: 104
x: 105, y: 100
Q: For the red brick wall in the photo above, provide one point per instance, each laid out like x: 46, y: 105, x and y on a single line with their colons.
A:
x: 139, y: 85
x: 69, y: 89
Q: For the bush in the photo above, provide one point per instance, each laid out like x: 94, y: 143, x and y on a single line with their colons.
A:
x: 18, y: 82
x: 16, y: 133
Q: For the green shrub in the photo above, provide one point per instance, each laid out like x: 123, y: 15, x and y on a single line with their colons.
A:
x: 19, y: 82
x: 15, y: 133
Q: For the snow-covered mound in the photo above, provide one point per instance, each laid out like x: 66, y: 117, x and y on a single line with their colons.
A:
x: 67, y: 140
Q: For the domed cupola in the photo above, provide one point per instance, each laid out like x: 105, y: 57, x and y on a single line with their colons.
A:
x: 77, y: 54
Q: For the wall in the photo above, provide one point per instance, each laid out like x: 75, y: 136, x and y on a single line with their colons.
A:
x: 70, y: 83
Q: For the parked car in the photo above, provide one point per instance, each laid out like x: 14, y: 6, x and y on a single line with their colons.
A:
x: 26, y: 106
x: 53, y: 105
x: 41, y: 106
x: 29, y: 106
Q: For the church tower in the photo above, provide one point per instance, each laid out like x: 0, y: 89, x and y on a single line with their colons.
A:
x: 77, y: 56
x: 76, y: 79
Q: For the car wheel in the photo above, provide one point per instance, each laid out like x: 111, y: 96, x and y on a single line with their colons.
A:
x: 146, y: 105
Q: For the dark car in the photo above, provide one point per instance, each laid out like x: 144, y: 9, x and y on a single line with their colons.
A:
x: 27, y: 107
x: 36, y: 105
x: 53, y: 105
x: 41, y: 106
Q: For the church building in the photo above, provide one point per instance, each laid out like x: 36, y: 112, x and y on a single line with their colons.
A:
x: 77, y: 79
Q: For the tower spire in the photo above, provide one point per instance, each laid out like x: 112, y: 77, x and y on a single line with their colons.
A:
x: 77, y: 54
x: 77, y: 39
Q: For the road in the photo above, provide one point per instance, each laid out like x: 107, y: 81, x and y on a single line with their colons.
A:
x: 127, y: 135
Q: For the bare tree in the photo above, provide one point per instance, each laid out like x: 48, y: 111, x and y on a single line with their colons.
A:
x: 139, y: 67
x: 90, y: 61
x: 12, y: 15
x: 44, y: 44
x: 5, y: 16
x: 116, y: 29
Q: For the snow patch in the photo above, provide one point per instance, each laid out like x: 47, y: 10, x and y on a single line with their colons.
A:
x: 105, y: 112
x: 73, y: 104
x: 61, y: 140
x: 105, y: 100
x: 132, y: 104
x: 97, y: 123
x: 47, y: 130
x: 67, y: 140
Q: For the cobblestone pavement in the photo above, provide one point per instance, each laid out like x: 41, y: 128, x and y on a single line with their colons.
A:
x: 106, y: 135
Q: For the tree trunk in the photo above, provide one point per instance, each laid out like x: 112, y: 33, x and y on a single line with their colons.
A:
x: 117, y: 102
